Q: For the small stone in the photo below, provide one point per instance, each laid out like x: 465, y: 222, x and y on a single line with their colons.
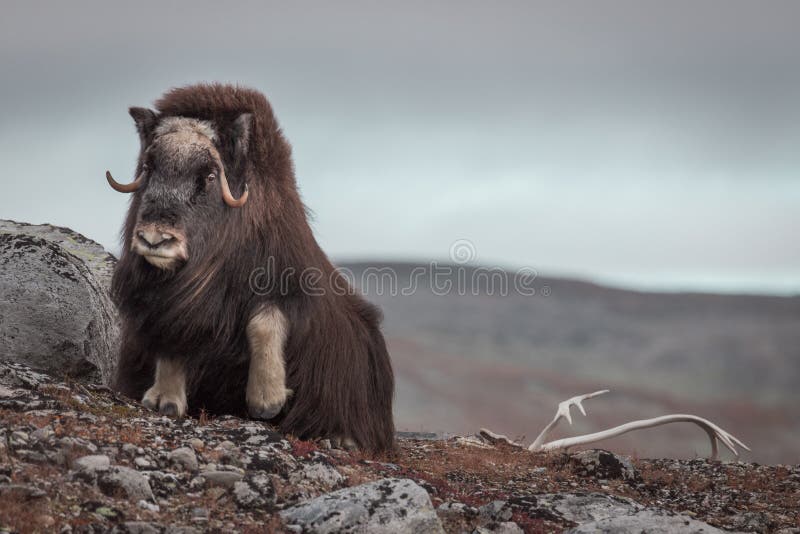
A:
x: 92, y: 463
x: 225, y: 479
x: 145, y: 505
x: 42, y: 434
x: 136, y: 527
x: 245, y: 496
x: 495, y: 511
x: 184, y: 457
x: 200, y: 513
x: 506, y: 527
x: 142, y: 462
x: 318, y: 473
x: 196, y: 444
x: 127, y: 481
x: 18, y: 438
x: 174, y: 529
x: 106, y: 511
x: 21, y: 491
x: 226, y: 445
x: 602, y: 464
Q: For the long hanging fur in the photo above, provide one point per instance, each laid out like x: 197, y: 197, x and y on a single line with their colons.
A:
x: 336, y: 359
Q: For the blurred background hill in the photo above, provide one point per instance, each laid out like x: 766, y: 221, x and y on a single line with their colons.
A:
x: 466, y: 361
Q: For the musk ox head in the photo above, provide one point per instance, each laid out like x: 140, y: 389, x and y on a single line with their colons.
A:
x: 182, y: 186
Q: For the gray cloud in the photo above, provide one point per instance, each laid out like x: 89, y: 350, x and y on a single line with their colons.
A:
x: 641, y: 143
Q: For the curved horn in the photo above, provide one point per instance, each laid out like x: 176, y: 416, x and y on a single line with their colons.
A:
x: 228, y: 197
x: 125, y: 188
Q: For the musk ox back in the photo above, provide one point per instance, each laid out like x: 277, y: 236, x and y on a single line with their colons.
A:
x: 214, y: 203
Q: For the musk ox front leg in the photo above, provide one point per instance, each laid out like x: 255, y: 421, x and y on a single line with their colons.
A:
x: 266, y: 381
x: 168, y: 394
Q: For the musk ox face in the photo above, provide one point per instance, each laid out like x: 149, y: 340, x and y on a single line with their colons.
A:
x: 182, y: 185
x: 180, y: 170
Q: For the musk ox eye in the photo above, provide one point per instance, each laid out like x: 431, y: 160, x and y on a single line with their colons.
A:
x: 211, y: 176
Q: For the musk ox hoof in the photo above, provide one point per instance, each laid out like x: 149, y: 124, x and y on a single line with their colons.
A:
x: 344, y: 443
x: 266, y: 407
x: 164, y: 404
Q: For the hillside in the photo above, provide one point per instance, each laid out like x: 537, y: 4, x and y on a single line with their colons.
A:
x: 466, y: 361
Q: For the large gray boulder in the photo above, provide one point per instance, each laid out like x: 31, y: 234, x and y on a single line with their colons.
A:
x: 389, y: 505
x: 55, y: 312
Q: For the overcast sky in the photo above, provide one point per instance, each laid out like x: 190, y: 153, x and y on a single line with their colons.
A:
x: 643, y: 144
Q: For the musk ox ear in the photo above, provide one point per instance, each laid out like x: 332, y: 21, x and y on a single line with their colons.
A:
x: 146, y: 120
x: 240, y: 135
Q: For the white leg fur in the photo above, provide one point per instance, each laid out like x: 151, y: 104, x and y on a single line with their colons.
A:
x: 266, y: 382
x: 168, y: 394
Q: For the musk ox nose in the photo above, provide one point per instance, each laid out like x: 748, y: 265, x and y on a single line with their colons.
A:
x: 154, y: 238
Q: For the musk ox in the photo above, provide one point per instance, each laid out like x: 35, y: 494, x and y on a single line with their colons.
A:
x: 215, y: 201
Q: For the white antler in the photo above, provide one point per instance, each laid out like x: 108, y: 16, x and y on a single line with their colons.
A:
x: 714, y: 432
x: 562, y: 412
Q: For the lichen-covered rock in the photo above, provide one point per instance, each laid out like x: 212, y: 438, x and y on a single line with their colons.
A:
x: 650, y: 521
x: 585, y: 507
x: 184, y: 457
x: 390, y: 505
x: 602, y: 464
x: 124, y: 480
x: 55, y: 310
x: 598, y: 512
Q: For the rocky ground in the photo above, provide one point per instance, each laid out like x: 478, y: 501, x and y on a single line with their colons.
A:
x: 77, y: 458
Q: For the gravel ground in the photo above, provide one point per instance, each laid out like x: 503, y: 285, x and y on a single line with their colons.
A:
x: 77, y: 458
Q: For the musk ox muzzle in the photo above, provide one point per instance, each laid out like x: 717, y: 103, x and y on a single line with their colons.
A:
x: 160, y: 245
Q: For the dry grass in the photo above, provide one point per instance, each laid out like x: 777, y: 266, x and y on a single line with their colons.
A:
x: 23, y: 515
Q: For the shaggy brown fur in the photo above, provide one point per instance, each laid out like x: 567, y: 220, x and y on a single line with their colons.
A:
x: 336, y: 359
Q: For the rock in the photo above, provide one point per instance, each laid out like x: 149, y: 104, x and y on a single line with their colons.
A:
x: 181, y: 530
x: 650, y: 521
x: 255, y: 491
x: 92, y: 464
x: 752, y: 522
x: 318, y: 473
x: 55, y: 310
x: 42, y: 434
x: 506, y: 527
x: 457, y: 508
x: 136, y: 527
x: 495, y: 511
x: 245, y: 497
x: 146, y: 505
x: 584, y: 507
x: 184, y: 457
x: 124, y: 480
x: 602, y: 464
x: 390, y: 505
x: 225, y: 479
x: 598, y: 512
x: 21, y: 491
